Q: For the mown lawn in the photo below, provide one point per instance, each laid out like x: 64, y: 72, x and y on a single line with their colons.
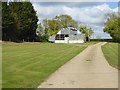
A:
x: 90, y: 43
x: 26, y: 65
x: 85, y: 44
x: 0, y: 65
x: 110, y: 51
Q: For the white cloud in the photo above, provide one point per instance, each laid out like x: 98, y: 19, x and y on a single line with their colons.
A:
x: 116, y: 9
x: 93, y: 16
x: 104, y: 7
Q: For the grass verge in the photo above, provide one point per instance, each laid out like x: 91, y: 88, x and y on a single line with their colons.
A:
x: 110, y: 51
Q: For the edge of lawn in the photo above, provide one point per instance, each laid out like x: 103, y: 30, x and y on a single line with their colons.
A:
x: 109, y: 57
x: 84, y: 45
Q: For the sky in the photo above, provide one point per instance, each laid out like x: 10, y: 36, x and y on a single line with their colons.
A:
x: 91, y: 14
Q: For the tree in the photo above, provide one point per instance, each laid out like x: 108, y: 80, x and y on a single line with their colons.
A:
x: 66, y: 21
x: 112, y: 26
x: 7, y: 22
x: 22, y: 21
x: 83, y: 29
x: 90, y: 32
x: 74, y: 24
x: 87, y: 31
x: 45, y: 24
x: 54, y: 26
x: 51, y: 27
x: 40, y: 30
x: 41, y: 34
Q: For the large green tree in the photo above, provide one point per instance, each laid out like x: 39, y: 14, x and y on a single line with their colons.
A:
x: 22, y: 21
x: 66, y: 21
x: 7, y: 22
x: 112, y: 26
x: 52, y: 26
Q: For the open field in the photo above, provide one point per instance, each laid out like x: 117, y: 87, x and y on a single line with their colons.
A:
x: 28, y: 64
x: 0, y: 65
x: 110, y: 51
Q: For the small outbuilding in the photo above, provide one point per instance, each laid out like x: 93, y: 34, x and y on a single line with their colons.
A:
x: 68, y: 35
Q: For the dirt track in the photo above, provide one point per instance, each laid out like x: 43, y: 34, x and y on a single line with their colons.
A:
x: 89, y: 69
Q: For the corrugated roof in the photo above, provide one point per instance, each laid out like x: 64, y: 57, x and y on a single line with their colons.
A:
x: 69, y: 31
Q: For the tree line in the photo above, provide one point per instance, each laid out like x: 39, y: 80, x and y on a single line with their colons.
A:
x: 19, y: 23
x: 48, y: 27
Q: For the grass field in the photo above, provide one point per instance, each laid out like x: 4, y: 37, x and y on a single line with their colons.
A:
x: 110, y: 51
x: 90, y: 43
x: 0, y: 65
x: 26, y: 65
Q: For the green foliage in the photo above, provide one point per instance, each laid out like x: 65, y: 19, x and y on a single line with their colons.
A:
x: 43, y: 38
x: 87, y: 31
x: 19, y: 21
x: 7, y: 22
x: 54, y: 26
x: 51, y: 27
x: 90, y: 31
x: 40, y: 30
x: 112, y: 26
x: 41, y: 34
x: 66, y: 21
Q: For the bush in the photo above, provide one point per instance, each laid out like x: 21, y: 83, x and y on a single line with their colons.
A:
x: 42, y: 38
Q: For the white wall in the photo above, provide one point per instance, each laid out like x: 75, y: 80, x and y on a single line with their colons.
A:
x: 59, y: 41
x: 76, y: 41
x: 70, y: 41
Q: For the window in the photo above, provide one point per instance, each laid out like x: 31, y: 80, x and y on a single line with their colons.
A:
x: 66, y: 35
x: 59, y: 37
x: 73, y: 29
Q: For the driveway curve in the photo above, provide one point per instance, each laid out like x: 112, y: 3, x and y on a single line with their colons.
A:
x: 89, y: 69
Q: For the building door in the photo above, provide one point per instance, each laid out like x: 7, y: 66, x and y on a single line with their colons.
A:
x: 66, y: 39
